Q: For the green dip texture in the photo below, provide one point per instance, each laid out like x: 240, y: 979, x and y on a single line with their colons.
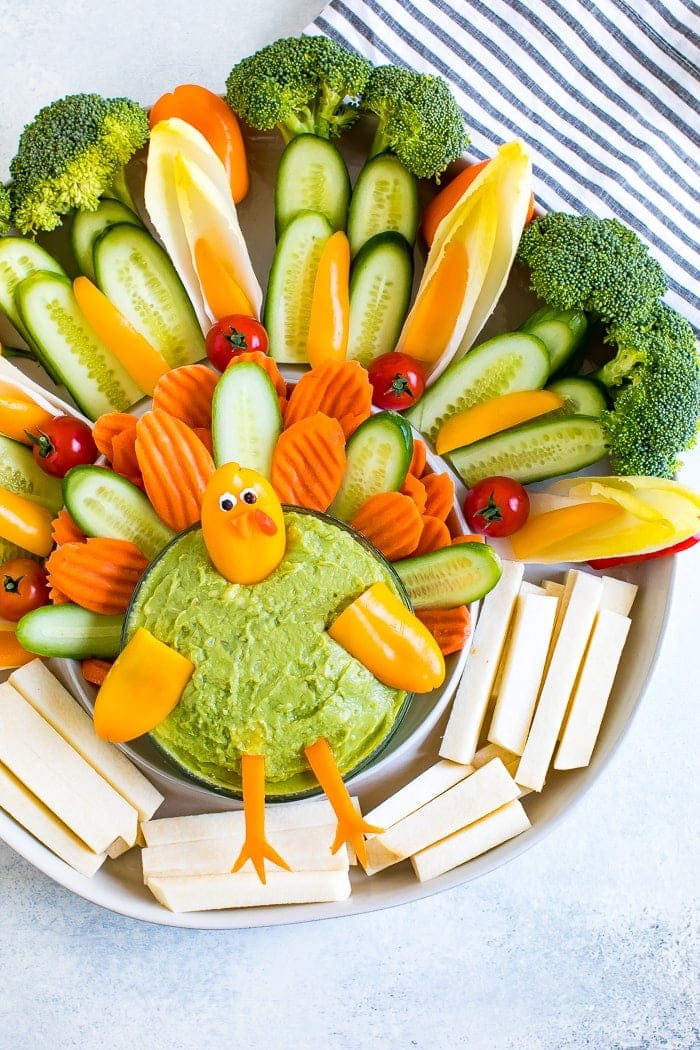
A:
x: 268, y: 679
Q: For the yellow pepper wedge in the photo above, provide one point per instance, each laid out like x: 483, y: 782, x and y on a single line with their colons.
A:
x: 12, y: 654
x: 18, y: 413
x: 142, y: 687
x: 379, y: 631
x: 432, y: 321
x: 25, y: 523
x: 223, y: 293
x: 494, y: 415
x: 329, y: 317
x: 544, y: 530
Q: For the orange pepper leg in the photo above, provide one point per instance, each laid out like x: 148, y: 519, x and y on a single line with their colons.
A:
x: 351, y: 825
x: 256, y: 847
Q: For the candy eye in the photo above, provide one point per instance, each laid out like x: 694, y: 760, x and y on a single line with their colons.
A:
x: 227, y: 501
x: 249, y: 496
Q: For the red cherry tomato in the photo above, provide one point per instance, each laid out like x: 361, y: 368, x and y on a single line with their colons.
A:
x: 23, y: 587
x: 497, y: 506
x: 64, y: 442
x: 233, y: 335
x: 397, y: 380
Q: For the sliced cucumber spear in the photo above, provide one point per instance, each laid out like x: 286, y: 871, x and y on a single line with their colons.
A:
x: 88, y: 225
x: 562, y: 332
x: 71, y: 632
x: 385, y: 198
x: 380, y: 294
x: 378, y: 457
x: 20, y: 258
x: 451, y: 576
x: 246, y: 418
x: 20, y: 473
x: 312, y: 176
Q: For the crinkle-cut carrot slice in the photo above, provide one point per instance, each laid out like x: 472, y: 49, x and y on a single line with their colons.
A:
x: 124, y: 459
x: 175, y: 467
x: 308, y: 462
x: 418, y: 459
x: 99, y: 574
x: 415, y: 488
x: 94, y: 670
x: 392, y: 522
x: 186, y: 392
x: 470, y: 537
x: 64, y: 529
x: 340, y: 389
x: 204, y: 435
x: 57, y: 597
x: 449, y: 627
x: 435, y: 535
x: 440, y: 492
x: 107, y: 426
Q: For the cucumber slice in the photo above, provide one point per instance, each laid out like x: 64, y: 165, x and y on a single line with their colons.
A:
x: 502, y: 365
x: 378, y: 457
x: 20, y: 473
x: 312, y: 176
x: 96, y: 380
x: 88, y: 225
x: 385, y: 197
x: 70, y: 632
x: 291, y: 285
x: 582, y: 396
x: 561, y: 331
x: 20, y: 258
x: 450, y: 576
x: 136, y: 274
x: 104, y: 504
x: 380, y: 293
x: 534, y: 451
x: 245, y: 419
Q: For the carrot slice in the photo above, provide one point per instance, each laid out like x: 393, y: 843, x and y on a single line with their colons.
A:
x: 392, y: 522
x: 338, y: 388
x: 175, y: 467
x: 471, y: 537
x: 99, y: 574
x: 415, y: 488
x: 450, y: 628
x: 64, y: 529
x: 106, y: 427
x: 95, y: 670
x: 440, y: 492
x: 204, y: 435
x: 308, y: 462
x: 186, y: 393
x: 57, y: 597
x: 124, y: 459
x: 256, y: 847
x: 418, y: 459
x: 435, y: 535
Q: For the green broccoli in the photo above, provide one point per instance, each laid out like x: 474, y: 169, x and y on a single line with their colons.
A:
x: 5, y: 210
x: 419, y: 119
x: 71, y: 154
x: 600, y: 266
x: 305, y: 84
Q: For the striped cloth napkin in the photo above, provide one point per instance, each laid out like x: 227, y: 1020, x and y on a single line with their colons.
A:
x: 605, y: 92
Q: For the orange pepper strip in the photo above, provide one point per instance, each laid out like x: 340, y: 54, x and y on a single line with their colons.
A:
x: 256, y: 847
x: 18, y: 413
x: 214, y: 119
x: 141, y: 688
x: 221, y: 290
x: 496, y: 414
x: 12, y: 654
x: 26, y: 523
x: 434, y: 316
x: 142, y: 361
x: 379, y: 631
x: 542, y: 531
x: 330, y: 303
x: 351, y: 825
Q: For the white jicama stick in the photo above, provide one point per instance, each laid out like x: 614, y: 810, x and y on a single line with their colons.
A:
x: 39, y: 821
x: 245, y: 890
x: 569, y: 649
x: 487, y: 789
x: 523, y: 669
x: 592, y: 690
x: 553, y: 588
x: 49, y: 767
x: 618, y: 595
x: 471, y: 700
x: 492, y: 830
x: 55, y: 704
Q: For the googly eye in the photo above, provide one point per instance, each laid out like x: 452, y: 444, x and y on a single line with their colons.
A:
x: 227, y: 501
x: 249, y: 496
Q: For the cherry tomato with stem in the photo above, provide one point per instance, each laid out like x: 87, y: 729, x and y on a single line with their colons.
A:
x: 63, y: 443
x: 23, y: 587
x: 497, y: 506
x: 233, y: 335
x: 398, y: 381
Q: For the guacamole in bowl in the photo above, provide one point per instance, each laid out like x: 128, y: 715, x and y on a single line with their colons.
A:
x: 268, y: 679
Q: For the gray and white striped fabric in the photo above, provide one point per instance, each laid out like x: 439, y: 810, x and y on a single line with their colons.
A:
x: 605, y: 93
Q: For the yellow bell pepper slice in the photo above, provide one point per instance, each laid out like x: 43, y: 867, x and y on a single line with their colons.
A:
x: 25, y: 523
x: 432, y: 322
x: 379, y: 631
x: 18, y: 413
x: 12, y: 654
x: 222, y: 292
x: 544, y: 530
x: 142, y: 687
x: 494, y: 415
x: 329, y: 317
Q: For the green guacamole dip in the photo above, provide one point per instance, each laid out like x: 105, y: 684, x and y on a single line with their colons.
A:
x: 268, y: 679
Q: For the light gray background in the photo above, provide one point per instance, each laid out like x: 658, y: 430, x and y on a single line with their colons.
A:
x: 589, y: 940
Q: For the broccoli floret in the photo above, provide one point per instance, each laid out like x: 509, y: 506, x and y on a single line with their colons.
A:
x: 70, y: 155
x: 654, y: 381
x: 419, y: 119
x: 5, y: 210
x: 600, y: 266
x: 300, y: 85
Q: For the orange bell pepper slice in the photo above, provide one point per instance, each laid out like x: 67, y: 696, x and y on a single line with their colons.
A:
x: 18, y: 413
x: 25, y: 523
x: 142, y: 361
x: 330, y: 304
x: 256, y: 847
x: 496, y: 414
x: 142, y: 687
x: 12, y: 654
x: 432, y: 321
x: 214, y: 119
x: 220, y: 288
x: 542, y: 531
